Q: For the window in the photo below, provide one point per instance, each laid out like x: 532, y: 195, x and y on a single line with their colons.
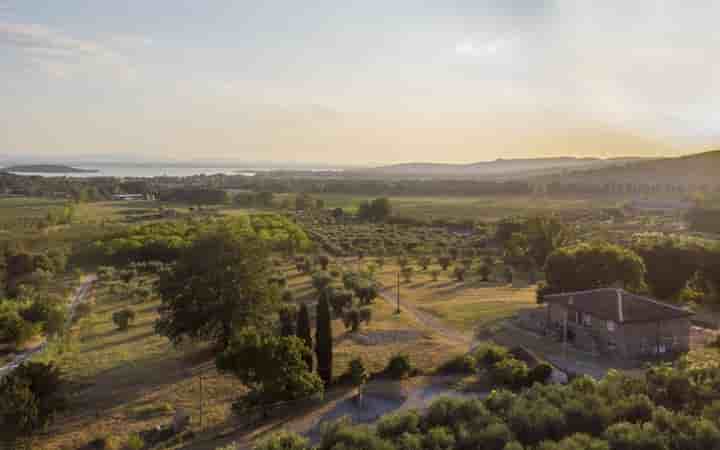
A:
x: 586, y: 319
x: 644, y: 347
x: 611, y: 326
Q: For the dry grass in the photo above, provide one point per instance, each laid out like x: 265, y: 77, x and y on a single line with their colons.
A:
x: 389, y: 334
x: 124, y: 382
x: 463, y: 305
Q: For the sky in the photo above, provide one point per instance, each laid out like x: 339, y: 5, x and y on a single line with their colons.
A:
x: 358, y: 82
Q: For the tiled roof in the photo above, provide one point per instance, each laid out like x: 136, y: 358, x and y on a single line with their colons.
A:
x: 618, y: 305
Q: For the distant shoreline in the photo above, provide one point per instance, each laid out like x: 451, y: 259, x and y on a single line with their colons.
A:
x: 47, y: 168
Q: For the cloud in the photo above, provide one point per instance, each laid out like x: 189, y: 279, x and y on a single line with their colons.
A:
x: 62, y: 56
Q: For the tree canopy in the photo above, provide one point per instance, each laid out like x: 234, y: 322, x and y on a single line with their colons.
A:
x: 273, y: 367
x: 219, y: 284
x: 591, y: 266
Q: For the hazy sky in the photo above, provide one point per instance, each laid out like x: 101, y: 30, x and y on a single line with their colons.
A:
x: 363, y: 81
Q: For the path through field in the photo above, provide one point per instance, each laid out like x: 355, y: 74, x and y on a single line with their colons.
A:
x: 80, y: 296
x: 428, y: 319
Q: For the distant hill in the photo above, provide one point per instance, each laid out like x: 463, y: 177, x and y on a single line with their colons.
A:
x: 500, y: 168
x: 46, y: 168
x: 696, y: 169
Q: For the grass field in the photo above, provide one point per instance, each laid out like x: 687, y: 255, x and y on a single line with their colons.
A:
x: 468, y: 207
x: 121, y: 382
x: 126, y: 381
x: 464, y: 305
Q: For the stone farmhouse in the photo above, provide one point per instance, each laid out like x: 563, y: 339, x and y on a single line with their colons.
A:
x: 613, y: 321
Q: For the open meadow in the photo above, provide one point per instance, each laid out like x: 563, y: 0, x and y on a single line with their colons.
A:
x: 120, y: 382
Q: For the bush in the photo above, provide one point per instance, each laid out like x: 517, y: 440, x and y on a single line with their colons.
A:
x: 438, y: 438
x: 393, y: 426
x: 540, y: 373
x: 282, y: 441
x: 105, y: 443
x: 399, y: 366
x: 461, y: 364
x: 510, y: 372
x: 123, y: 318
x: 494, y: 437
x: 30, y: 398
x: 15, y: 330
x: 135, y: 442
x: 357, y: 372
x: 351, y: 320
x: 487, y: 355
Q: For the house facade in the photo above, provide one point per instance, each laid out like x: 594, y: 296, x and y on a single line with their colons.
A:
x: 615, y: 322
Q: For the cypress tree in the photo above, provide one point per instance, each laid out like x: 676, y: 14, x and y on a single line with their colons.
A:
x: 323, y: 341
x: 305, y: 333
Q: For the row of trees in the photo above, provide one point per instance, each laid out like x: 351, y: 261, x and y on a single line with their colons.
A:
x: 667, y: 268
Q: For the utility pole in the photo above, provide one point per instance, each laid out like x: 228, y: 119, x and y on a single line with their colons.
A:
x: 398, y: 294
x: 201, y: 402
x: 565, y: 319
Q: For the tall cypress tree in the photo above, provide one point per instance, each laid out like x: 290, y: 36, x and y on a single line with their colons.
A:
x: 305, y: 333
x: 323, y: 341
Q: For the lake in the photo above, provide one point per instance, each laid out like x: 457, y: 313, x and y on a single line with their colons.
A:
x: 134, y: 171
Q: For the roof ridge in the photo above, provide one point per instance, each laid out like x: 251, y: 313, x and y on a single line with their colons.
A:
x: 584, y: 292
x: 656, y: 302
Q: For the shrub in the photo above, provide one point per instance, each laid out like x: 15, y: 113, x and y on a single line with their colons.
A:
x: 135, y: 442
x: 393, y: 426
x: 105, y: 443
x: 636, y: 408
x: 288, y: 296
x: 15, y: 330
x: 487, y: 354
x: 493, y: 437
x: 510, y: 372
x: 407, y: 273
x: 399, y: 366
x: 461, y: 364
x: 540, y: 373
x: 438, y: 438
x: 123, y: 318
x: 351, y: 320
x: 459, y: 273
x: 365, y: 315
x: 357, y: 372
x: 282, y: 441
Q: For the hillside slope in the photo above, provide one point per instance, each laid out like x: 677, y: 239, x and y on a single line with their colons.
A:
x: 500, y: 168
x: 695, y: 169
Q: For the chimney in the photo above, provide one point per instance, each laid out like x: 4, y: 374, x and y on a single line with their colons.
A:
x: 620, y: 305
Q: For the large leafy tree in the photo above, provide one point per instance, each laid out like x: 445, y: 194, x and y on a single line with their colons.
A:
x: 545, y: 234
x: 670, y: 265
x: 29, y: 399
x: 272, y: 366
x: 219, y: 284
x: 590, y: 266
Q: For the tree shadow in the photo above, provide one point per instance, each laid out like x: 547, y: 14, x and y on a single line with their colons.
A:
x: 127, y: 340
